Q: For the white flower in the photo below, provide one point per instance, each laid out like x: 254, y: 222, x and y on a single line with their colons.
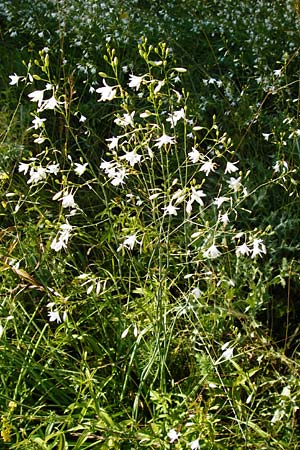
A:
x: 126, y: 120
x: 80, y: 168
x: 114, y: 171
x: 220, y: 200
x: 113, y: 142
x: 159, y: 86
x: 243, y: 249
x: 197, y: 196
x: 164, y: 140
x: 107, y: 92
x: 135, y: 81
x: 189, y: 207
x: 132, y: 157
x: 266, y: 136
x: 231, y: 167
x: 212, y: 252
x: 82, y: 118
x: 39, y: 140
x: 171, y: 210
x: 208, y: 166
x: 68, y: 201
x: 63, y: 237
x: 109, y: 167
x: 37, y: 122
x: 24, y: 167
x: 53, y: 168
x: 234, y: 183
x: 224, y: 218
x: 175, y: 117
x: 37, y: 96
x: 278, y: 416
x: 118, y: 177
x: 195, y: 445
x: 196, y: 292
x: 194, y: 155
x: 51, y: 103
x: 128, y: 242
x: 280, y: 165
x: 286, y: 392
x: 14, y: 79
x: 258, y: 248
x: 228, y: 353
x: 37, y: 175
x: 173, y: 435
x: 54, y: 316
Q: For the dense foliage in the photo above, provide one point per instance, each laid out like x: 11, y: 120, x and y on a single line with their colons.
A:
x: 149, y: 238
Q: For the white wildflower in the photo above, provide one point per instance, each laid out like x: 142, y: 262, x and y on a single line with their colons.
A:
x: 280, y: 166
x: 194, y: 155
x: 277, y: 416
x: 212, y: 252
x: 37, y: 122
x: 135, y: 81
x: 126, y: 120
x: 266, y: 136
x: 159, y: 86
x: 118, y: 177
x: 224, y: 218
x: 243, y: 249
x: 173, y: 435
x: 189, y: 207
x: 50, y: 103
x: 164, y: 140
x: 227, y: 352
x: 231, y: 167
x: 197, y: 196
x: 208, y: 166
x: 14, y: 79
x: 37, y: 96
x: 63, y: 237
x: 218, y: 201
x: 24, y: 167
x: 196, y: 292
x: 171, y: 210
x: 37, y: 175
x: 113, y: 142
x: 39, y: 140
x: 258, y: 248
x: 80, y: 168
x: 68, y: 201
x: 107, y: 92
x: 54, y: 316
x: 195, y: 445
x: 53, y: 168
x: 175, y: 117
x: 129, y: 242
x: 234, y: 183
x: 132, y: 157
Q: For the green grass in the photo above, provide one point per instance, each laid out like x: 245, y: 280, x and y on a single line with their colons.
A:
x: 149, y: 239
